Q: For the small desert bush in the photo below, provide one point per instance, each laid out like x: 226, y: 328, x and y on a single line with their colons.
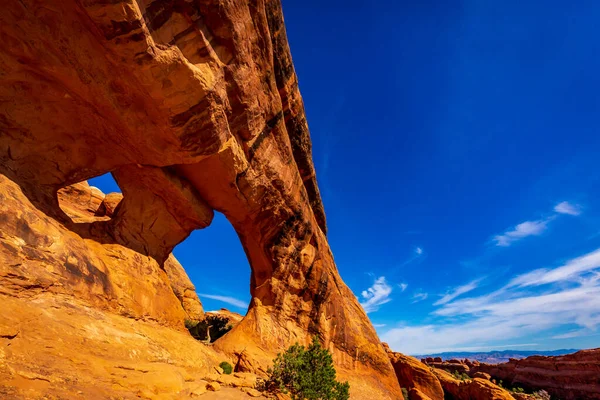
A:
x: 405, y: 394
x: 219, y: 326
x: 306, y: 374
x: 226, y: 367
x: 461, y: 376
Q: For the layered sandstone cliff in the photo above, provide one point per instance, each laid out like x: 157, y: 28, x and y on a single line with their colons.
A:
x: 193, y: 106
x: 471, y: 389
x: 572, y: 376
x: 568, y: 377
x: 423, y: 382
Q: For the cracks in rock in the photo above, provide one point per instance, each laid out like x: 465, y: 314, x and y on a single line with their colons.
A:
x: 143, y: 371
x: 237, y: 183
x: 270, y: 124
x: 9, y: 336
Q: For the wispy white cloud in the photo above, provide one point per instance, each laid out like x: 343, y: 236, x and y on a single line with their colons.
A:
x: 225, y: 299
x: 379, y: 325
x: 403, y: 286
x: 458, y: 291
x: 418, y: 256
x: 573, y: 334
x: 521, y: 231
x: 569, y: 271
x: 567, y: 208
x: 571, y: 298
x: 419, y: 296
x: 376, y: 295
x: 534, y: 228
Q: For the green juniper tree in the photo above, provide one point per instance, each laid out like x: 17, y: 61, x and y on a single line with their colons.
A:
x: 307, y: 374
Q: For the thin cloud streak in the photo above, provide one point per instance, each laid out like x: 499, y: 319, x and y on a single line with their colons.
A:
x: 419, y: 254
x: 521, y: 231
x: 460, y: 290
x: 225, y: 299
x: 419, y: 296
x: 571, y: 297
x: 572, y: 269
x: 534, y: 228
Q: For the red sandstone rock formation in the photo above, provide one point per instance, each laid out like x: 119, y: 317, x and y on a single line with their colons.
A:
x: 450, y: 366
x: 416, y: 377
x: 472, y: 389
x: 568, y: 377
x: 193, y: 107
x: 425, y: 382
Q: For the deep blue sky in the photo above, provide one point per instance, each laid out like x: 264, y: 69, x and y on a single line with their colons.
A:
x: 457, y: 149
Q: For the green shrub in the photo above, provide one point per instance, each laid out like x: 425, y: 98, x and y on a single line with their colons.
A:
x: 306, y: 374
x: 461, y: 376
x: 190, y: 323
x: 218, y: 324
x: 226, y: 367
x: 405, y: 393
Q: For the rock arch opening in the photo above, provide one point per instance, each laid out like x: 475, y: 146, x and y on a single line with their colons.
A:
x: 91, y: 201
x: 217, y: 266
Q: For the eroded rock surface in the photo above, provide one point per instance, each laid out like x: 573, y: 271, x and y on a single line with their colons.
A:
x: 569, y: 377
x: 470, y: 389
x: 41, y: 256
x: 193, y: 107
x: 424, y: 382
x: 416, y: 377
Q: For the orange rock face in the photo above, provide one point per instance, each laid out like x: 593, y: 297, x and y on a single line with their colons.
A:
x: 424, y: 382
x: 39, y: 255
x: 193, y: 107
x: 81, y: 319
x: 569, y: 377
x: 477, y: 388
x: 416, y: 377
x: 450, y: 366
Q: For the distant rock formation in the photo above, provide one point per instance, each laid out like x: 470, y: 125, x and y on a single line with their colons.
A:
x: 568, y: 377
x: 496, y: 356
x: 471, y: 389
x: 424, y: 382
x: 459, y: 366
x: 193, y: 107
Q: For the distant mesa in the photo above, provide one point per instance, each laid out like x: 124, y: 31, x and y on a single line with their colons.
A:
x: 496, y: 356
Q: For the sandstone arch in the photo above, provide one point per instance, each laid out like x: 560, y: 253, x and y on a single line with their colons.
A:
x: 193, y: 106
